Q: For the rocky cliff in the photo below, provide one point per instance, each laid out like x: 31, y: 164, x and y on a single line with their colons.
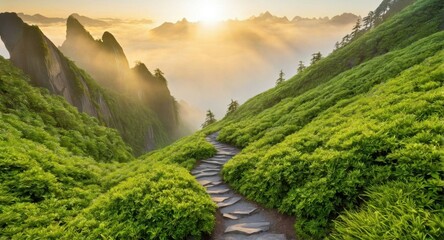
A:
x: 37, y: 56
x: 106, y: 61
x: 47, y: 67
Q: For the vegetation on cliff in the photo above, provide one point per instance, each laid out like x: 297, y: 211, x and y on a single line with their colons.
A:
x: 353, y: 145
x: 65, y: 175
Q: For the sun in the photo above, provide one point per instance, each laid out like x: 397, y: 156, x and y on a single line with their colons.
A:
x: 210, y: 12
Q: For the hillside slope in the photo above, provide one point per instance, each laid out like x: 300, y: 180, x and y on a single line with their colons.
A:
x: 63, y: 175
x: 37, y: 56
x: 416, y: 22
x: 335, y: 144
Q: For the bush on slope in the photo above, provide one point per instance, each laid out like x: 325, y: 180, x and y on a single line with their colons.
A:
x: 393, y: 132
x: 417, y: 21
x: 61, y: 173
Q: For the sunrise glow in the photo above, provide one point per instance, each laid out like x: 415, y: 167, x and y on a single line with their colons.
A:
x: 210, y: 12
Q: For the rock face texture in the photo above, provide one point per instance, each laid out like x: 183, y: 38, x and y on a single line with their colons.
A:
x: 37, y: 56
x: 106, y: 61
x: 142, y: 126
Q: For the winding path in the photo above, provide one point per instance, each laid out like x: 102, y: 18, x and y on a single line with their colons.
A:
x: 238, y: 218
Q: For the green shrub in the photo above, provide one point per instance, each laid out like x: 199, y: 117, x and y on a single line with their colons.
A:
x: 166, y: 202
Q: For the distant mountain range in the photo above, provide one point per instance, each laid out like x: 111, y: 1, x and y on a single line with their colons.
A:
x: 267, y: 17
x: 86, y: 21
x: 184, y: 27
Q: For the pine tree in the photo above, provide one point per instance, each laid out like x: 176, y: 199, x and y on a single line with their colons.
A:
x: 337, y: 45
x: 159, y: 75
x: 316, y: 57
x: 232, y: 107
x: 281, y: 78
x: 356, y: 28
x: 301, y: 66
x: 210, y: 119
x: 345, y: 40
x: 368, y: 20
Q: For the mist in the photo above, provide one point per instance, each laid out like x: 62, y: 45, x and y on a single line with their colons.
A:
x: 207, y: 65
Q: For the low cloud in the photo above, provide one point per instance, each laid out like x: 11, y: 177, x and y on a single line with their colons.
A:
x: 207, y: 65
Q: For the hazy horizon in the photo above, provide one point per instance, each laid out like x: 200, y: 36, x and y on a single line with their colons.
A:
x: 215, y: 62
x: 193, y: 10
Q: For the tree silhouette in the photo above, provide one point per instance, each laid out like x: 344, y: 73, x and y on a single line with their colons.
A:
x: 210, y: 119
x: 232, y: 107
x: 337, y: 45
x: 368, y: 20
x: 281, y: 78
x: 345, y: 40
x: 316, y: 57
x: 301, y: 66
x: 159, y: 75
x: 356, y: 28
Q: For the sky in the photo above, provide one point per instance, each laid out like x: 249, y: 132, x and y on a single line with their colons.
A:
x: 217, y: 63
x: 193, y: 10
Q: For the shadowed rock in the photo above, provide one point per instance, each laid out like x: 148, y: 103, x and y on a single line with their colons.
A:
x: 31, y: 51
x: 221, y: 191
x: 229, y: 216
x: 248, y: 228
x: 244, y: 212
x: 230, y: 202
x: 219, y: 199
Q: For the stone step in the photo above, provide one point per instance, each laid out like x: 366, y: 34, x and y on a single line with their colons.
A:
x: 248, y: 228
x: 219, y: 199
x: 246, y: 211
x: 229, y: 216
x: 204, y: 182
x: 230, y: 202
x: 213, y: 184
x: 207, y: 174
x: 220, y: 191
x: 208, y: 166
x: 197, y: 170
x: 213, y: 162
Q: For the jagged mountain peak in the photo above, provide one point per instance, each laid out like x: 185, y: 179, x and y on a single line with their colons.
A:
x: 269, y: 17
x: 75, y: 29
x: 11, y: 30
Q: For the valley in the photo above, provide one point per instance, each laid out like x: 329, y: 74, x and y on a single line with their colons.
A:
x: 348, y: 146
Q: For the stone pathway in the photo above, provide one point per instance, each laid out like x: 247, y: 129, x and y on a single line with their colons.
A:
x: 238, y: 218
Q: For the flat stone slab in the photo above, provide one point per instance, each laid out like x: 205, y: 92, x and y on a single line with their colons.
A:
x: 225, y: 153
x: 204, y: 182
x: 206, y: 174
x: 248, y: 228
x: 216, y: 183
x: 219, y: 199
x: 229, y: 216
x: 205, y: 170
x: 221, y: 191
x: 230, y: 202
x: 247, y: 211
x: 213, y: 162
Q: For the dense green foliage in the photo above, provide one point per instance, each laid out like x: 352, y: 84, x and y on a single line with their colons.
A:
x: 133, y: 120
x: 415, y: 22
x: 353, y: 146
x: 63, y: 175
x: 165, y: 202
x: 184, y: 152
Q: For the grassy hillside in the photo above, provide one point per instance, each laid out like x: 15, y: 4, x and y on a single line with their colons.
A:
x: 417, y: 21
x: 63, y: 175
x: 353, y: 146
